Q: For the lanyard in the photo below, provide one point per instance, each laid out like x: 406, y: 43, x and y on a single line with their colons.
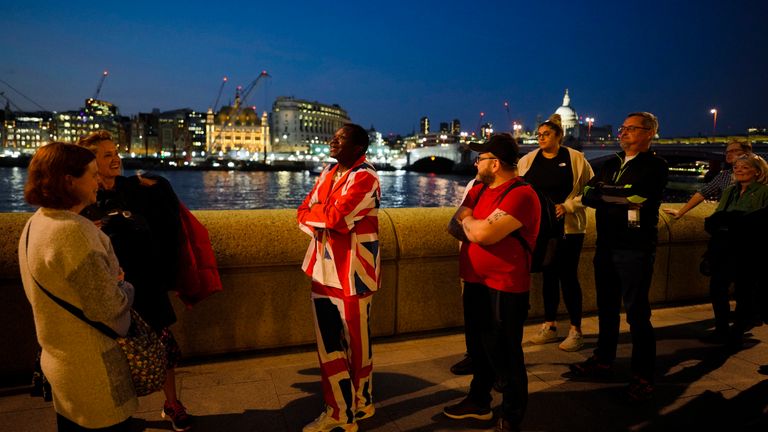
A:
x: 621, y: 172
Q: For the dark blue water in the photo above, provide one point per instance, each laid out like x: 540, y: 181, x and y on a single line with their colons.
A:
x: 243, y: 190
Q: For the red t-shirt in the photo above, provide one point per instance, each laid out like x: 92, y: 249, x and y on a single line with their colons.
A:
x: 503, y: 265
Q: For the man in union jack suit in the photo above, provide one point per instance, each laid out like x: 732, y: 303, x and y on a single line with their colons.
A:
x: 341, y: 216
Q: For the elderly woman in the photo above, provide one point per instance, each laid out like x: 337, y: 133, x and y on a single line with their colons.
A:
x: 141, y: 217
x: 737, y: 222
x: 560, y: 173
x: 67, y: 255
x: 716, y: 186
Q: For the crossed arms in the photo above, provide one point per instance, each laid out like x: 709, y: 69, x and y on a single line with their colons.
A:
x: 499, y: 224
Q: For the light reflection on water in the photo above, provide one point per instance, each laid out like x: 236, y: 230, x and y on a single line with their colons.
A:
x: 221, y: 190
x: 12, y: 181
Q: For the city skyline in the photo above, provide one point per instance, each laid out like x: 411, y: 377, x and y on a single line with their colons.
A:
x: 389, y: 64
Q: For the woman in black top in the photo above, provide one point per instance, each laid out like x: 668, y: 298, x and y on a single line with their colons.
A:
x: 141, y: 217
x: 560, y: 173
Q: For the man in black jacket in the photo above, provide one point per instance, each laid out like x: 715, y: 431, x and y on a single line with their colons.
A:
x: 626, y: 194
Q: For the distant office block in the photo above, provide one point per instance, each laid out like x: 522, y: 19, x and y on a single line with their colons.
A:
x: 300, y: 125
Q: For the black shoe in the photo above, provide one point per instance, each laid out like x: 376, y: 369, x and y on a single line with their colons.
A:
x: 717, y: 337
x: 592, y: 368
x: 467, y: 408
x: 504, y: 425
x: 735, y: 342
x: 463, y: 367
x: 639, y: 390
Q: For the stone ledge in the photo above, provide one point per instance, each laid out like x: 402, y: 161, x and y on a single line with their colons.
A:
x: 265, y: 302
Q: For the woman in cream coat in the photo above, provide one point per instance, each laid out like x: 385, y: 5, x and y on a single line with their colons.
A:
x: 560, y: 173
x: 71, y: 258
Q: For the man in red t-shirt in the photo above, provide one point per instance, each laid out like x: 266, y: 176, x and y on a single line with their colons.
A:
x: 492, y: 222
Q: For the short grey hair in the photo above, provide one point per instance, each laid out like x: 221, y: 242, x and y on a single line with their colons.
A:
x: 649, y: 120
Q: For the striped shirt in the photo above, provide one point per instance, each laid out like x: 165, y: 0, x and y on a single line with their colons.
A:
x: 715, y: 187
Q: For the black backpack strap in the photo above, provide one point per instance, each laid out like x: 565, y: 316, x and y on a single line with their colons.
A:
x: 516, y: 233
x: 74, y: 310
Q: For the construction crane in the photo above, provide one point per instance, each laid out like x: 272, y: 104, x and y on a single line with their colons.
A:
x: 22, y: 95
x: 480, y: 124
x: 251, y: 86
x: 9, y: 102
x: 506, y: 108
x: 218, y: 96
x: 101, y: 82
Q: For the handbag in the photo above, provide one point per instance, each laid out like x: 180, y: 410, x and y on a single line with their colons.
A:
x: 143, y: 350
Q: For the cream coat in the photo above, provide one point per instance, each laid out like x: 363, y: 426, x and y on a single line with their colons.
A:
x: 575, y: 212
x: 88, y: 372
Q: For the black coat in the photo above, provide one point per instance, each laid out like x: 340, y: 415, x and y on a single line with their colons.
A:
x: 607, y: 192
x: 144, y: 226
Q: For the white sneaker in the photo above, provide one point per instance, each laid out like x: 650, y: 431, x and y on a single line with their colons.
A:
x: 573, y: 342
x: 325, y: 423
x: 545, y: 335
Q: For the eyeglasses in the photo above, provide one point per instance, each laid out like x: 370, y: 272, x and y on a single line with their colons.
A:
x: 631, y: 129
x: 480, y: 159
x: 543, y: 135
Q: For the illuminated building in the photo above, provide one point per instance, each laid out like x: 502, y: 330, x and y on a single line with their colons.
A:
x: 237, y: 132
x: 95, y: 115
x: 145, y: 135
x: 378, y: 151
x: 455, y: 127
x: 568, y: 117
x: 25, y: 132
x: 182, y: 133
x: 424, y: 125
x: 301, y: 126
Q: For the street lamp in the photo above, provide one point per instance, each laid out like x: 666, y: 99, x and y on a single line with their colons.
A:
x: 516, y: 127
x: 589, y: 121
x: 713, y: 111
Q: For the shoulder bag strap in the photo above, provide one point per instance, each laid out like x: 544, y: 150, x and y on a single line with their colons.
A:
x: 105, y: 329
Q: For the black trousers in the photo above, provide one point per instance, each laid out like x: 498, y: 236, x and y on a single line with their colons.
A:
x: 563, y: 274
x: 625, y: 274
x: 494, y: 329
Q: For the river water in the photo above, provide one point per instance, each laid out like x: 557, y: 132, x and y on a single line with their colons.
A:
x: 242, y: 190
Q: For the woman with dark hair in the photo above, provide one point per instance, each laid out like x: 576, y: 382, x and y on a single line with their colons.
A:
x: 65, y: 254
x: 560, y: 173
x: 141, y: 217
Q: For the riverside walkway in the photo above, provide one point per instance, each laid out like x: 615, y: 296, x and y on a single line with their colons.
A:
x: 700, y: 387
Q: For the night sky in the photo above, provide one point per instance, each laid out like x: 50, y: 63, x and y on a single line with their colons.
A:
x: 390, y: 63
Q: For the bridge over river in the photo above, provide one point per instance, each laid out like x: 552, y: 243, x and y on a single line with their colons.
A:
x: 454, y: 157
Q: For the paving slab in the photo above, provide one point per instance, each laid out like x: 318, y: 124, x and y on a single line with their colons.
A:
x: 699, y: 386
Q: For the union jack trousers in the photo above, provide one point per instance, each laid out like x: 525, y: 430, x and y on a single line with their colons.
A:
x: 342, y: 329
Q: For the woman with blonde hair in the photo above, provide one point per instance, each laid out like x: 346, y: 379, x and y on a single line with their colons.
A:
x: 737, y: 224
x: 141, y: 216
x: 560, y: 173
x: 715, y: 187
x: 64, y: 256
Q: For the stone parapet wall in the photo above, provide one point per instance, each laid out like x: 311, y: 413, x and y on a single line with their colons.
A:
x: 265, y: 302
